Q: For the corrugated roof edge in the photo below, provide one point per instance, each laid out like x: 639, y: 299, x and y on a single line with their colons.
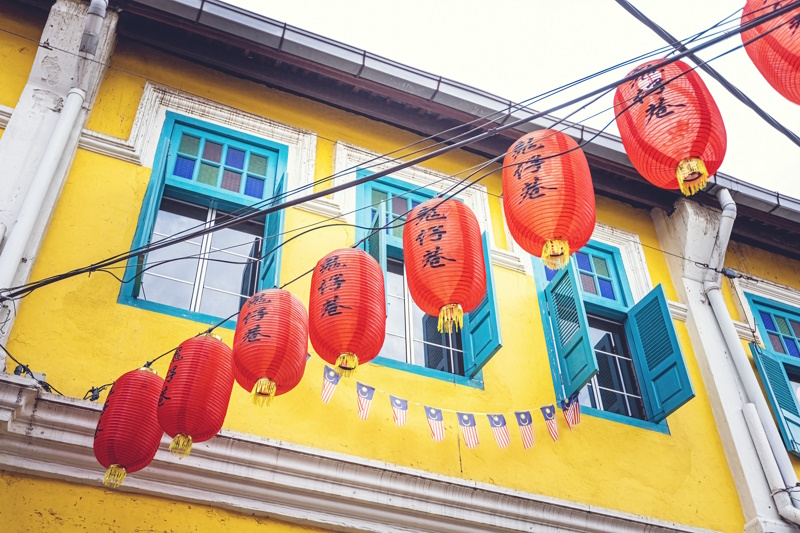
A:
x: 450, y: 93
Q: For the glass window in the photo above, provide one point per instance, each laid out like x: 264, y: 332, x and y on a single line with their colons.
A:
x: 781, y: 329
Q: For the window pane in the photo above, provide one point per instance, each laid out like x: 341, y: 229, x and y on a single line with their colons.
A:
x: 184, y: 168
x: 397, y: 227
x: 238, y: 239
x: 394, y: 348
x: 208, y: 174
x: 613, y: 402
x: 783, y: 327
x: 175, y: 217
x: 587, y: 282
x: 549, y: 274
x: 583, y: 261
x: 219, y: 303
x: 600, y: 266
x: 378, y: 197
x: 791, y: 347
x: 257, y: 165
x: 606, y: 289
x: 233, y: 275
x: 254, y: 187
x: 608, y: 376
x: 231, y: 180
x: 795, y: 328
x: 399, y: 205
x: 775, y: 340
x: 212, y: 151
x: 234, y: 158
x: 166, y: 291
x: 395, y: 345
x: 189, y: 145
x: 767, y: 319
x: 183, y: 269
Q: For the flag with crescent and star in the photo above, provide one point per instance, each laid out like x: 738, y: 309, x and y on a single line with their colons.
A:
x: 330, y: 378
x: 572, y: 410
x: 399, y: 410
x: 549, y: 414
x: 500, y: 430
x: 365, y: 394
x: 468, y: 429
x: 525, y: 428
x: 435, y: 423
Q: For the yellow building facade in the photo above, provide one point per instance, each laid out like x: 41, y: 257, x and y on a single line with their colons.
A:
x: 300, y: 464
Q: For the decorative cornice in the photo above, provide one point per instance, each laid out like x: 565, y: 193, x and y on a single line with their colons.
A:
x: 5, y: 115
x: 51, y: 436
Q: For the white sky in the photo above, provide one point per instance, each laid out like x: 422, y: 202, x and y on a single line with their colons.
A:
x: 518, y: 49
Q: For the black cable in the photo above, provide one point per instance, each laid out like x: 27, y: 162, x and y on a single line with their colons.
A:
x: 711, y: 71
x: 23, y: 369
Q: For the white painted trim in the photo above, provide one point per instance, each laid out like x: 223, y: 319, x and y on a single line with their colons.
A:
x: 51, y: 436
x: 766, y: 289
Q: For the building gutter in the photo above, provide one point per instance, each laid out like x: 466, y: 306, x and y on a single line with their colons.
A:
x: 769, y: 445
x: 18, y: 235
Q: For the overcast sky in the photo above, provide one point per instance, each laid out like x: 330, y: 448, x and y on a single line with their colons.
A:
x: 518, y: 49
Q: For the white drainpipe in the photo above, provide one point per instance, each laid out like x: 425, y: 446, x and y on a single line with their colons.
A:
x: 20, y: 231
x: 774, y: 454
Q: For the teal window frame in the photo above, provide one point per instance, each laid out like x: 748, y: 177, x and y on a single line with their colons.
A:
x: 483, y: 319
x: 775, y: 367
x: 163, y: 183
x: 619, y: 309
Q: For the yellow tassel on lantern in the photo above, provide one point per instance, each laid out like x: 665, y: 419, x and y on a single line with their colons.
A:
x: 451, y: 315
x: 115, y: 476
x: 264, y: 391
x: 555, y: 254
x: 181, y: 445
x: 692, y: 175
x: 346, y: 364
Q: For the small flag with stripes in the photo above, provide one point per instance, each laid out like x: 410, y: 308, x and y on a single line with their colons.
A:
x: 525, y: 428
x: 500, y: 430
x: 549, y: 413
x: 572, y: 410
x: 435, y: 423
x: 330, y: 378
x: 399, y: 410
x: 468, y: 429
x: 365, y: 394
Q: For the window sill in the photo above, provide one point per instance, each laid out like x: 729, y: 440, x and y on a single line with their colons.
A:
x: 476, y: 382
x: 614, y: 417
x: 175, y: 311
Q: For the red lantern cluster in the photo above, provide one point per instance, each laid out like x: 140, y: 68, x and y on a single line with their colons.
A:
x: 196, y: 392
x: 548, y: 197
x: 444, y: 260
x: 128, y: 432
x: 776, y: 55
x: 270, y: 344
x: 347, y: 309
x: 670, y: 126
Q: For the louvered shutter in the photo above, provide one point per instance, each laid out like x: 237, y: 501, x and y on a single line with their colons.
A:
x: 481, y: 334
x: 576, y: 357
x: 665, y: 379
x: 270, y: 266
x: 780, y: 394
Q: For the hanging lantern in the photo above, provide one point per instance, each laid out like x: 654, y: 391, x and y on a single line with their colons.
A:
x: 270, y: 344
x: 548, y: 197
x: 128, y: 433
x: 347, y: 309
x: 444, y: 260
x: 776, y: 55
x: 670, y: 127
x: 196, y: 392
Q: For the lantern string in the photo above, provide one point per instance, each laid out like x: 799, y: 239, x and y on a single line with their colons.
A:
x: 27, y: 288
x: 23, y: 369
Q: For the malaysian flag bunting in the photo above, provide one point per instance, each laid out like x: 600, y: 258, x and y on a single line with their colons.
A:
x: 525, y: 428
x: 468, y: 429
x: 500, y: 430
x: 330, y: 378
x: 365, y: 394
x: 435, y: 423
x: 399, y: 410
x: 549, y: 413
x: 572, y: 410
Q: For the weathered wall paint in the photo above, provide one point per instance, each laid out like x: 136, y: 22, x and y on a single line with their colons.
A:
x: 20, y: 29
x: 38, y: 504
x: 77, y: 333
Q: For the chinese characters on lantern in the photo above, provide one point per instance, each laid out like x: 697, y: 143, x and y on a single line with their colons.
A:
x: 332, y: 284
x: 429, y: 235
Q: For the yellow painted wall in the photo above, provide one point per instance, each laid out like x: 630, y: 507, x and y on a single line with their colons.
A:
x: 38, y: 504
x: 77, y: 333
x: 20, y: 29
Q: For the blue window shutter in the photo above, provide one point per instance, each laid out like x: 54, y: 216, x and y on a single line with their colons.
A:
x: 570, y: 331
x: 665, y: 379
x: 780, y: 394
x: 481, y: 334
x: 270, y: 267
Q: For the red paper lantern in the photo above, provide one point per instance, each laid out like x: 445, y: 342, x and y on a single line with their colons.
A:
x: 444, y: 260
x: 548, y: 197
x: 128, y: 433
x: 196, y: 392
x: 270, y: 344
x: 776, y: 54
x: 347, y: 309
x: 670, y: 126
